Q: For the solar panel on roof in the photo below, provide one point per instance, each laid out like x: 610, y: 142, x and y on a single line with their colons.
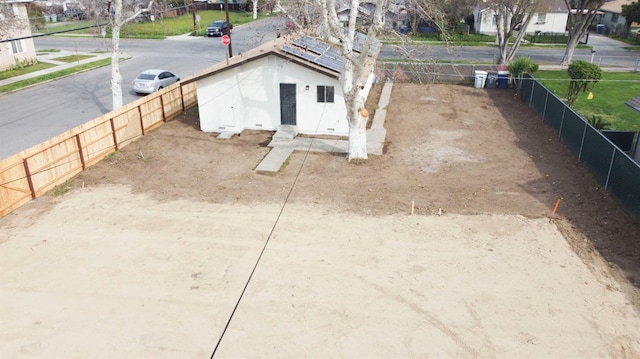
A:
x: 321, y: 53
x: 299, y: 53
x: 330, y: 64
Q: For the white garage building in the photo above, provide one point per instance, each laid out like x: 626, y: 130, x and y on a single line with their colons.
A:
x: 284, y: 82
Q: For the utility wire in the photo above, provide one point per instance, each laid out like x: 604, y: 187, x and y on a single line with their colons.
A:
x: 264, y: 247
x: 52, y: 33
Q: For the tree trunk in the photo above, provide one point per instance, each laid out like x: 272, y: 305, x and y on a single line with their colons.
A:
x: 572, y: 43
x: 116, y: 76
x: 255, y: 9
x: 358, y: 136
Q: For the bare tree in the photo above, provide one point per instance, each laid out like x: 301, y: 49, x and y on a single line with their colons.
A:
x: 512, y: 18
x: 354, y: 75
x: 116, y: 20
x: 428, y: 12
x: 9, y: 21
x: 583, y: 12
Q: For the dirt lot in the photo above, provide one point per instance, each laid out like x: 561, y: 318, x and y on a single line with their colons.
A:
x: 480, y: 158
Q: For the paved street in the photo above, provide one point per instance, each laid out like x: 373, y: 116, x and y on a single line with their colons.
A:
x: 47, y: 110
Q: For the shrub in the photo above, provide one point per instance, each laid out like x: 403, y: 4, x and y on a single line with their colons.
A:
x: 584, y: 76
x: 522, y: 65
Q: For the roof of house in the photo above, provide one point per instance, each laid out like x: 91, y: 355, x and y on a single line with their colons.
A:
x: 300, y: 49
x: 558, y: 5
x: 615, y: 5
x: 555, y: 6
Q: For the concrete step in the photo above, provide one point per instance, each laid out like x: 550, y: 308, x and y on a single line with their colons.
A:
x: 286, y: 132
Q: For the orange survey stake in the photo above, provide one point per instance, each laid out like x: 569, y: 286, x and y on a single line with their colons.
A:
x: 555, y: 208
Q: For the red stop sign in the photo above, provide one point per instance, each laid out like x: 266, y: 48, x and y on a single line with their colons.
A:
x: 226, y: 40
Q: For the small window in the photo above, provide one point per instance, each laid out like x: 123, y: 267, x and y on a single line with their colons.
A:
x: 542, y: 18
x: 614, y: 17
x: 325, y: 94
x: 16, y: 47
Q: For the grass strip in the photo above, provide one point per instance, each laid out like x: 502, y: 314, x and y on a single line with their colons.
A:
x: 25, y: 70
x: 72, y: 58
x: 54, y: 75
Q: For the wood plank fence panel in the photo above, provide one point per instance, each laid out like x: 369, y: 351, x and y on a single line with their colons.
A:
x: 152, y: 112
x: 128, y: 126
x: 96, y: 142
x: 54, y: 165
x: 31, y: 173
x: 14, y: 185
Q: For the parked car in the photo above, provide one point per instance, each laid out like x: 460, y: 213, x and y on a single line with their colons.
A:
x: 152, y: 80
x: 219, y: 28
x: 75, y: 14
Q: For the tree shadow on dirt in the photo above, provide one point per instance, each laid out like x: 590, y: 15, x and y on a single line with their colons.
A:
x: 591, y: 220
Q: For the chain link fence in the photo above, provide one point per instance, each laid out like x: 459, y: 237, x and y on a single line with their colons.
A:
x: 616, y: 171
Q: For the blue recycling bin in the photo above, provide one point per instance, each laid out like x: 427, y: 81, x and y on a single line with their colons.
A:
x: 503, y: 79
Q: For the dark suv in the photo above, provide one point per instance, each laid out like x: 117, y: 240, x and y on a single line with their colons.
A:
x: 219, y: 28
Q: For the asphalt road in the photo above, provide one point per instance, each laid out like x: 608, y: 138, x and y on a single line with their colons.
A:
x: 34, y: 115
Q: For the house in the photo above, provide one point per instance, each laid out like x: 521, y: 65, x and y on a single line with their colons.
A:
x: 17, y: 45
x: 552, y: 21
x: 611, y: 20
x: 288, y: 81
x: 395, y: 17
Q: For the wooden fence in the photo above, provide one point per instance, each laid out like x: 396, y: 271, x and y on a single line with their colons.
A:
x: 31, y: 173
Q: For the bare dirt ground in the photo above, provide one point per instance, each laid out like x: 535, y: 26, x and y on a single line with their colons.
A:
x: 566, y: 287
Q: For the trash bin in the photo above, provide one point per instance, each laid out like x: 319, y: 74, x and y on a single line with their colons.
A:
x: 481, y: 77
x: 600, y: 28
x: 404, y: 29
x: 492, y: 79
x: 503, y: 79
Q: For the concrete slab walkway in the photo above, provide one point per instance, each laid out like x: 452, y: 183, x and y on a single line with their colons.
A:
x: 284, y: 144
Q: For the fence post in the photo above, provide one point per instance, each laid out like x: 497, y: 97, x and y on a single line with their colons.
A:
x: 544, y: 109
x: 637, y: 64
x: 564, y: 111
x: 164, y: 115
x: 84, y: 166
x: 532, y: 88
x: 613, y: 156
x: 584, y: 132
x: 114, y: 135
x: 182, y: 97
x: 141, y: 121
x: 28, y: 175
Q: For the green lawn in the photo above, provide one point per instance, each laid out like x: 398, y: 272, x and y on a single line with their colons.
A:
x: 609, y: 96
x: 58, y: 74
x: 25, y: 70
x: 73, y: 58
x: 160, y: 28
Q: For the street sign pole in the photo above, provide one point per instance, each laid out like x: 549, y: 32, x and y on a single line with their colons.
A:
x: 226, y: 8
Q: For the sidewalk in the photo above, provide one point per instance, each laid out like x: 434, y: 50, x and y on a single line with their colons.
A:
x: 50, y: 57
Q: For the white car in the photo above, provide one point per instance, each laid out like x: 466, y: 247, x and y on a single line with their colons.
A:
x: 152, y: 80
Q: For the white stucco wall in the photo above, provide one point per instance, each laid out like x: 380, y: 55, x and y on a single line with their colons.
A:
x: 248, y: 97
x: 7, y: 57
x: 554, y: 23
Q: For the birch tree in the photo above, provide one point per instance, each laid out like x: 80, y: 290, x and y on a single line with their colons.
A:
x: 355, y: 65
x: 331, y: 30
x: 117, y: 19
x: 512, y: 18
x: 583, y: 12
